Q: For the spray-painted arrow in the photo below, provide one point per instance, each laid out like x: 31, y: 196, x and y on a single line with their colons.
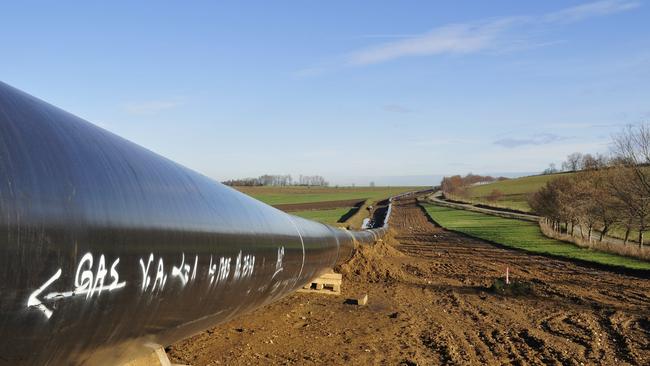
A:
x: 33, y: 298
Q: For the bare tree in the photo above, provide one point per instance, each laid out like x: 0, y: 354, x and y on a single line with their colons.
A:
x: 552, y: 202
x: 452, y: 185
x: 573, y: 203
x: 573, y: 162
x: 589, y: 162
x: 312, y: 180
x: 633, y: 200
x: 550, y: 170
x: 632, y: 187
x: 632, y: 147
x: 458, y: 185
x: 606, y: 192
x: 605, y: 207
x: 583, y: 192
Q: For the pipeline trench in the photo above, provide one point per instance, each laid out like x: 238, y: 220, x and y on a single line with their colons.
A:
x: 429, y: 303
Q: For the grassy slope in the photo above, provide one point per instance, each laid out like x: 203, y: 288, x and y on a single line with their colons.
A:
x: 330, y: 216
x: 515, y: 191
x: 521, y: 235
x: 284, y: 195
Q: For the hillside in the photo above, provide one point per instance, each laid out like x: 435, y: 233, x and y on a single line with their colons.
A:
x: 515, y: 191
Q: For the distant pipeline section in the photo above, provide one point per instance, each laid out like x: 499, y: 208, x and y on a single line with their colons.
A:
x: 106, y: 246
x: 380, y: 214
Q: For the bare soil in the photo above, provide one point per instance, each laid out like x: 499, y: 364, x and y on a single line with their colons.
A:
x: 430, y: 303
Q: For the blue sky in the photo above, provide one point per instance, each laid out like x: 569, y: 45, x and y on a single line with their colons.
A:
x: 354, y: 91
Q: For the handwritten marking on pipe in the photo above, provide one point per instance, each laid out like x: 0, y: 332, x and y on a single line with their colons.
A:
x: 221, y: 273
x: 146, y: 280
x: 88, y: 281
x: 91, y: 276
x: 84, y: 283
x: 33, y: 300
x: 243, y: 266
x: 160, y: 278
x: 183, y: 271
x: 278, y: 262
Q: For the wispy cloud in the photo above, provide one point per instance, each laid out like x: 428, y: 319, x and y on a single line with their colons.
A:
x: 450, y: 39
x: 153, y: 106
x: 499, y: 33
x: 590, y: 10
x: 540, y: 139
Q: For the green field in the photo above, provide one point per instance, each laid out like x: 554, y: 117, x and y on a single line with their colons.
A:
x: 515, y: 191
x: 331, y: 216
x: 288, y: 195
x: 521, y: 235
x: 306, y: 195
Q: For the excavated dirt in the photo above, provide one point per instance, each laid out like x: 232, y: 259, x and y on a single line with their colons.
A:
x: 430, y: 303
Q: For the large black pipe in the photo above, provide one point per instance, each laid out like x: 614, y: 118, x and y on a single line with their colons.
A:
x: 106, y: 246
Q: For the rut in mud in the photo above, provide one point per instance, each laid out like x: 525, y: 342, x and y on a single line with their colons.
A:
x: 429, y: 303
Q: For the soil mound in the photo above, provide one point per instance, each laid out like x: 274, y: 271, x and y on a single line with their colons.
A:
x: 374, y: 263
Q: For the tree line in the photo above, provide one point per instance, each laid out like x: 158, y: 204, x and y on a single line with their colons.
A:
x: 578, y: 161
x: 458, y: 185
x: 606, y: 192
x: 279, y: 181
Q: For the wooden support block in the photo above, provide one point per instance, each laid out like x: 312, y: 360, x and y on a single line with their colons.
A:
x: 156, y: 357
x: 327, y: 283
x: 332, y: 276
x: 361, y: 300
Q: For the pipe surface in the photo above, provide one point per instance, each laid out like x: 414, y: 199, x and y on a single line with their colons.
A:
x: 106, y: 246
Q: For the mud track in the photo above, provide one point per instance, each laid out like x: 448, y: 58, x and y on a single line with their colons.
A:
x: 429, y: 303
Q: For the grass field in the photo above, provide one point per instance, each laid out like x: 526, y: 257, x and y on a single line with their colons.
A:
x: 302, y: 195
x: 331, y: 216
x: 515, y: 191
x: 521, y: 235
x: 287, y: 195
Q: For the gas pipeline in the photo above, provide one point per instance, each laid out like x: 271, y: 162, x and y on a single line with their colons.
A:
x: 106, y: 247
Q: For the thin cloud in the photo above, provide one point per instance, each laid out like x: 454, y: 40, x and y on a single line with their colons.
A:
x: 590, y: 10
x: 152, y: 107
x: 493, y: 34
x: 450, y: 39
x: 541, y: 139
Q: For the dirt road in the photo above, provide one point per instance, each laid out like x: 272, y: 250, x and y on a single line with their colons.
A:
x: 429, y: 303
